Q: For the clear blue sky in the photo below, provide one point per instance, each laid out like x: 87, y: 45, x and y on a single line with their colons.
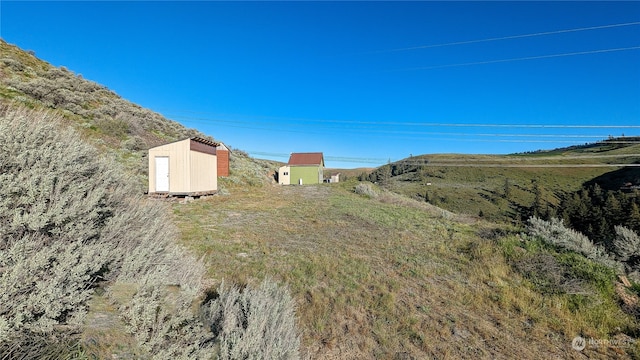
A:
x: 367, y: 81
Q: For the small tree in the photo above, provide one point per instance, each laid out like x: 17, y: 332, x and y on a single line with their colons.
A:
x: 507, y: 189
x: 536, y: 207
x: 633, y: 219
x: 385, y: 174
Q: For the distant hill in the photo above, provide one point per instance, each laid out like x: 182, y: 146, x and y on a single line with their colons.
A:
x: 114, y: 125
x: 609, y: 144
x: 500, y: 187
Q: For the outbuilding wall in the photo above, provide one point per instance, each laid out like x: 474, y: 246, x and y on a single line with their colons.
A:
x: 223, y: 160
x: 282, y: 178
x: 204, y: 171
x: 178, y: 154
x: 308, y: 174
x: 189, y: 171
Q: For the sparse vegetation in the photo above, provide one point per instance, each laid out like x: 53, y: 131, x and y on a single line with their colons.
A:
x: 70, y: 224
x: 389, y: 276
x: 365, y: 189
x: 555, y: 233
x: 91, y: 269
x: 253, y: 323
x: 110, y: 123
x: 511, y: 188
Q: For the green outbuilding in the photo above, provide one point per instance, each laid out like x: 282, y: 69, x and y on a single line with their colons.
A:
x: 302, y: 169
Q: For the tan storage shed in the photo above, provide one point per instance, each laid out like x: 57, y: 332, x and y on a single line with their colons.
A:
x: 186, y: 167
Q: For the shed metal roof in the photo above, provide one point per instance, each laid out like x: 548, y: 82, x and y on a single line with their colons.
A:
x: 195, y: 138
x: 315, y: 158
x: 205, y: 141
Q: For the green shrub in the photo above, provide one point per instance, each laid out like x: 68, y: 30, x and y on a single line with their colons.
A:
x: 365, y: 189
x: 253, y: 323
x: 56, y: 202
x: 599, y: 276
x: 626, y: 244
x: 69, y: 220
x: 164, y: 323
x: 555, y: 233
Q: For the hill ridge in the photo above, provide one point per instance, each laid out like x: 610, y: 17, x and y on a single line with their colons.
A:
x: 112, y: 124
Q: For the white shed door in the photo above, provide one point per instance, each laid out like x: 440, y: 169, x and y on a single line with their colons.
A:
x: 162, y: 174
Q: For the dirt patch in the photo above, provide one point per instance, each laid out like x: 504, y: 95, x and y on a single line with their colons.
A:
x: 306, y: 191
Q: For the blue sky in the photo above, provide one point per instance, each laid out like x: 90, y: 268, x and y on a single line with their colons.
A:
x: 363, y: 82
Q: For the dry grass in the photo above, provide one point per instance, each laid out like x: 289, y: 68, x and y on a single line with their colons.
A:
x: 387, y: 277
x: 380, y: 277
x: 468, y: 187
x: 104, y: 334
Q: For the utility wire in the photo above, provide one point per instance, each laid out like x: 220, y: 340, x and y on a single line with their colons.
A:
x: 574, y: 139
x: 529, y: 165
x: 496, y: 137
x: 508, y: 37
x: 301, y: 121
x: 280, y: 128
x: 474, y: 161
x: 518, y: 59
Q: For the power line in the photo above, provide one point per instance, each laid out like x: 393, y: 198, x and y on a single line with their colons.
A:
x: 508, y: 37
x: 327, y: 157
x: 495, y: 137
x: 275, y: 121
x: 519, y: 59
x: 520, y: 158
x: 474, y: 161
x: 375, y: 131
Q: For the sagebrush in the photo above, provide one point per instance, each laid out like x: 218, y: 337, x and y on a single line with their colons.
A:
x: 68, y: 222
x: 365, y: 189
x: 556, y: 233
x: 253, y: 323
x: 71, y: 221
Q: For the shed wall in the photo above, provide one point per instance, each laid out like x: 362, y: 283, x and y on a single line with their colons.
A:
x: 178, y: 154
x: 189, y: 171
x: 282, y: 178
x: 203, y: 175
x: 308, y: 174
x: 223, y: 162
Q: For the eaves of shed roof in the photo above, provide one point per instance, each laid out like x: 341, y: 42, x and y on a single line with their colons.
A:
x: 315, y: 158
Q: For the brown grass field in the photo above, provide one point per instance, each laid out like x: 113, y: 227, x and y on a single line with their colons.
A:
x: 389, y: 277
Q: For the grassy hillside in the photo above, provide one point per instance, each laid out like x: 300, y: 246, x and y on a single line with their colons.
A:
x: 499, y: 187
x: 390, y: 277
x: 123, y: 289
x: 117, y: 127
